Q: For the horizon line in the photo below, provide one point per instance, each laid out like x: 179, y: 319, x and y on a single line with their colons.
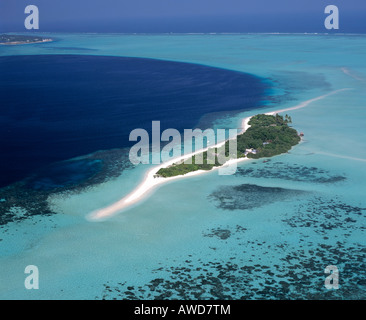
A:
x: 188, y: 33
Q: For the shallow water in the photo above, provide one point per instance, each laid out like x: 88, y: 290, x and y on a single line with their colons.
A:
x: 267, y: 232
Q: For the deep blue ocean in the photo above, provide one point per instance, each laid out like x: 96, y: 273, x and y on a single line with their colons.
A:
x: 57, y: 107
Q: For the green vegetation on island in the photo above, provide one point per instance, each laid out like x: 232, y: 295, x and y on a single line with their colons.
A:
x: 21, y: 39
x: 267, y: 136
x: 183, y: 168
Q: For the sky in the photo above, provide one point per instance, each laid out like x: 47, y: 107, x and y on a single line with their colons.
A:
x: 156, y: 16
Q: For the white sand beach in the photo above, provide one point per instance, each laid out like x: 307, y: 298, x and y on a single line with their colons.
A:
x: 14, y: 43
x: 150, y: 182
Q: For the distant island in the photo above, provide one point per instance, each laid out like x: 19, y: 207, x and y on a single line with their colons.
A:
x: 267, y: 136
x: 6, y: 39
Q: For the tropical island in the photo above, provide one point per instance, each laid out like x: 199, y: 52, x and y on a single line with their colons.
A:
x: 267, y: 136
x: 273, y: 128
x: 6, y: 39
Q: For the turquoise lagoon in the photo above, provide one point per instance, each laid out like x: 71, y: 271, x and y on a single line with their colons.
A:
x: 267, y: 232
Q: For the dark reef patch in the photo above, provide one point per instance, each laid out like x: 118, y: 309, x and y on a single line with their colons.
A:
x: 223, y: 233
x: 64, y: 174
x: 250, y: 196
x: 324, y: 215
x: 74, y: 176
x: 290, y: 172
x: 300, y: 275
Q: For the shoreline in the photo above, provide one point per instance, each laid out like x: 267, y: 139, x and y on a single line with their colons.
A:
x: 150, y: 183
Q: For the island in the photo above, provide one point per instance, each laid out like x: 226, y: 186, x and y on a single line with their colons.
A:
x: 267, y: 136
x: 6, y: 39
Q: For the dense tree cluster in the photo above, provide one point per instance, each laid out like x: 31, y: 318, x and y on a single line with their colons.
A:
x: 267, y: 136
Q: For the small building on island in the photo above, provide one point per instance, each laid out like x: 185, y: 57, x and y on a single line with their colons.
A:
x: 254, y: 151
